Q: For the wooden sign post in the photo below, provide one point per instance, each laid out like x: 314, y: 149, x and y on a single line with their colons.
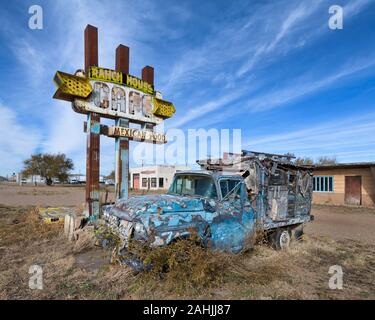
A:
x: 122, y: 144
x: 93, y: 131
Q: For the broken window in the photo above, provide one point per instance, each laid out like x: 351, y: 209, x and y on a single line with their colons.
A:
x: 194, y: 185
x: 227, y: 185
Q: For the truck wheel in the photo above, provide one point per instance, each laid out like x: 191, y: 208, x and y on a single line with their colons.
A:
x: 298, y: 233
x: 281, y: 239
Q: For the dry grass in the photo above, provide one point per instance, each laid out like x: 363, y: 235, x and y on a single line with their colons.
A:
x: 181, y: 271
x: 41, y: 192
x: 19, y: 225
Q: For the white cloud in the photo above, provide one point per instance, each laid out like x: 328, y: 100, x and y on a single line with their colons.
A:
x: 17, y: 141
x: 65, y: 131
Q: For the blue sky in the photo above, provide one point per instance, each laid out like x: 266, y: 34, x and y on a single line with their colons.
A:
x: 270, y: 68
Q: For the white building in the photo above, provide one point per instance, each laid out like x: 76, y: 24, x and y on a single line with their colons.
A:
x: 30, y: 180
x: 153, y: 177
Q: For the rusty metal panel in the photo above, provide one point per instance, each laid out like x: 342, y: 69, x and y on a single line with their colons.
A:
x: 148, y: 74
x: 93, y: 164
x: 93, y: 134
x: 91, y: 47
x: 122, y: 59
x: 353, y: 190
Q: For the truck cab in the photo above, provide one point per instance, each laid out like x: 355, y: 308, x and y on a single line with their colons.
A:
x: 213, y: 206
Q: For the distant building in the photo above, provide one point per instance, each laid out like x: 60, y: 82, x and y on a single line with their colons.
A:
x: 345, y: 183
x: 77, y: 178
x: 30, y: 179
x: 153, y: 177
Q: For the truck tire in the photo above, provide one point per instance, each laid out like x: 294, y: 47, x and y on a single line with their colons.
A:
x: 298, y: 233
x: 281, y: 239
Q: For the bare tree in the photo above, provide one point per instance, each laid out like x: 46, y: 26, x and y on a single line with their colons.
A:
x: 325, y: 160
x: 304, y: 161
x: 111, y: 176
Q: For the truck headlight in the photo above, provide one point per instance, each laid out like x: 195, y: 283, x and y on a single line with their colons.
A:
x: 139, y: 231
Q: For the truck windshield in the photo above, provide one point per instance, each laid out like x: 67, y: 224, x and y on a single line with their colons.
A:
x: 194, y: 185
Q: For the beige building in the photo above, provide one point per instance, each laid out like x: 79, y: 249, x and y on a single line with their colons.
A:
x: 153, y: 177
x: 345, y: 184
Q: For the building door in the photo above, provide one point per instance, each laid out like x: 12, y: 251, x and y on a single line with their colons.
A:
x: 353, y: 187
x: 136, y: 181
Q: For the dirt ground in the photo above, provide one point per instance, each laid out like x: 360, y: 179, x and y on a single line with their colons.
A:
x: 42, y: 195
x: 336, y: 222
x: 80, y: 270
x: 343, y: 223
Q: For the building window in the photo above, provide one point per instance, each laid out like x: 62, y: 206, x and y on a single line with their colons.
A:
x: 153, y: 182
x: 323, y: 184
x: 161, y: 182
x: 144, y: 182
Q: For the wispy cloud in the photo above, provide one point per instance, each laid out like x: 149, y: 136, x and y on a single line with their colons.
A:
x: 306, y: 85
x: 334, y: 138
x: 293, y: 18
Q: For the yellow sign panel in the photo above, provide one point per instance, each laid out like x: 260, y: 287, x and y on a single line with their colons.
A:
x: 70, y: 86
x: 162, y: 108
x: 108, y: 75
x: 139, y: 84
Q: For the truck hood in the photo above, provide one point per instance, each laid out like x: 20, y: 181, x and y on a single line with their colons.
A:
x: 139, y: 206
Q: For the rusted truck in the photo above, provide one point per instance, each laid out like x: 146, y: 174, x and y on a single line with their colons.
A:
x: 226, y: 204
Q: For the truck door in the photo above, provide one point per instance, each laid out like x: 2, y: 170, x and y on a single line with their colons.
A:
x: 234, y: 225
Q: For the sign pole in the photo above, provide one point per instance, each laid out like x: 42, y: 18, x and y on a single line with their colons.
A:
x: 148, y: 76
x: 122, y: 163
x: 93, y: 131
x: 122, y: 144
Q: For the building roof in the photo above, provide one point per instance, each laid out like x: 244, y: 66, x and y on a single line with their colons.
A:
x: 344, y: 165
x: 209, y: 173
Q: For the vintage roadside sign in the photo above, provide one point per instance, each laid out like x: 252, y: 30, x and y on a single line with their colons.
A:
x: 113, y: 94
x: 137, y: 134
